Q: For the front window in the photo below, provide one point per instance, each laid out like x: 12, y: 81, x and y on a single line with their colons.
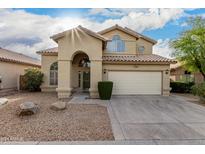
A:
x: 116, y: 45
x: 54, y: 74
x: 141, y: 49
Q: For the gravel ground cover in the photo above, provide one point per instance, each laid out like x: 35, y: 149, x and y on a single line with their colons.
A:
x: 78, y: 122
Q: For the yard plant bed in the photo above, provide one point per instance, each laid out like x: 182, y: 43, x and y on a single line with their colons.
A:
x: 79, y: 122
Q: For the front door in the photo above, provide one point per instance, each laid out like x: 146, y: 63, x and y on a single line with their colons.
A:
x: 86, y: 80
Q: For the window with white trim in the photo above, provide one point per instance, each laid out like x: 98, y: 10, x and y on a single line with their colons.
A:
x: 116, y: 45
x: 54, y: 74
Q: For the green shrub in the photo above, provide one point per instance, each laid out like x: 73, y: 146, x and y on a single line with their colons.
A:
x: 105, y: 89
x: 199, y: 90
x: 181, y: 87
x: 33, y: 79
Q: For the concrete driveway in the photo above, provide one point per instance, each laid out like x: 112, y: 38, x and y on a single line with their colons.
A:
x: 157, y: 120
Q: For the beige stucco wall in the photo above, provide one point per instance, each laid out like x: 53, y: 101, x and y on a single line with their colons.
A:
x: 131, y: 43
x: 134, y: 67
x: 75, y: 42
x: 46, y: 62
x: 148, y: 46
x: 79, y: 41
x: 10, y: 73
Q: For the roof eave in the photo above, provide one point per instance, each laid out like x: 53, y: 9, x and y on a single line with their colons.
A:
x: 142, y: 36
x: 119, y: 28
x: 137, y: 62
x: 48, y: 53
x: 19, y: 62
x: 89, y: 32
x: 57, y: 36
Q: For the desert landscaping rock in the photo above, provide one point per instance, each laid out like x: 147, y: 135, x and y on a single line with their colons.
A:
x: 58, y: 106
x: 3, y: 101
x: 28, y: 108
x: 79, y: 122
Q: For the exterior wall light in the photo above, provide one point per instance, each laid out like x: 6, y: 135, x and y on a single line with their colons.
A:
x: 167, y: 71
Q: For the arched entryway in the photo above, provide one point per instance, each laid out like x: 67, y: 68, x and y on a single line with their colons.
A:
x: 80, y: 76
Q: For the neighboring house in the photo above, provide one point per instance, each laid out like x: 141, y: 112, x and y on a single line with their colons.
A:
x: 119, y: 54
x: 12, y: 65
x: 178, y: 73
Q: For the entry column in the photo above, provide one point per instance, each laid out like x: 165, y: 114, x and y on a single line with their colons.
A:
x: 64, y: 79
x: 95, y: 76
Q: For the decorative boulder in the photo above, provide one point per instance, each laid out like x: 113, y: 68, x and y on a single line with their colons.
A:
x: 3, y: 101
x: 28, y: 108
x: 58, y: 106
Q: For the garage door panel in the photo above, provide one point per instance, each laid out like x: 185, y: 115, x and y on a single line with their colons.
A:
x: 131, y: 83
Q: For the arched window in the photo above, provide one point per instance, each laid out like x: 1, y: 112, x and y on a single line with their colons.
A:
x: 116, y: 45
x: 84, y: 62
x: 54, y: 74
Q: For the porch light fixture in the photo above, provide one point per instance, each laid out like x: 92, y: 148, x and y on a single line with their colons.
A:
x: 85, y: 62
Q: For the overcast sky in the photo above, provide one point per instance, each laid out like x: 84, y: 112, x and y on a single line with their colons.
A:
x: 29, y: 30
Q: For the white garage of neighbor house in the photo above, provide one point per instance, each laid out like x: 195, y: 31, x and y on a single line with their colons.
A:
x: 12, y: 65
x: 119, y: 54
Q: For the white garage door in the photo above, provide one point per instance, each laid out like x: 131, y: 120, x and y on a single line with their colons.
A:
x: 132, y: 82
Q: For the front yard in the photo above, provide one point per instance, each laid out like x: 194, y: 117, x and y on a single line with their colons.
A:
x: 77, y: 122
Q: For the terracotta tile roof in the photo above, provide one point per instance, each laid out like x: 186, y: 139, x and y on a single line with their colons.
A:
x: 122, y: 58
x: 79, y: 28
x: 50, y: 50
x: 92, y: 33
x: 128, y: 31
x: 137, y: 58
x: 13, y: 57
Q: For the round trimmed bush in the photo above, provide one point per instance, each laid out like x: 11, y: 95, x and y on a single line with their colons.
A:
x: 105, y: 89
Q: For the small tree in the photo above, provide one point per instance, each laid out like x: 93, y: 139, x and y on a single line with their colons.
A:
x: 33, y: 79
x: 190, y: 46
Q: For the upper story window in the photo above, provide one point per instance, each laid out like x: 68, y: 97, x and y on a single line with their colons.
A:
x: 141, y: 49
x: 116, y: 45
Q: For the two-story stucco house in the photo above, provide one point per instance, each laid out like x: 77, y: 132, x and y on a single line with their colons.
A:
x: 119, y: 54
